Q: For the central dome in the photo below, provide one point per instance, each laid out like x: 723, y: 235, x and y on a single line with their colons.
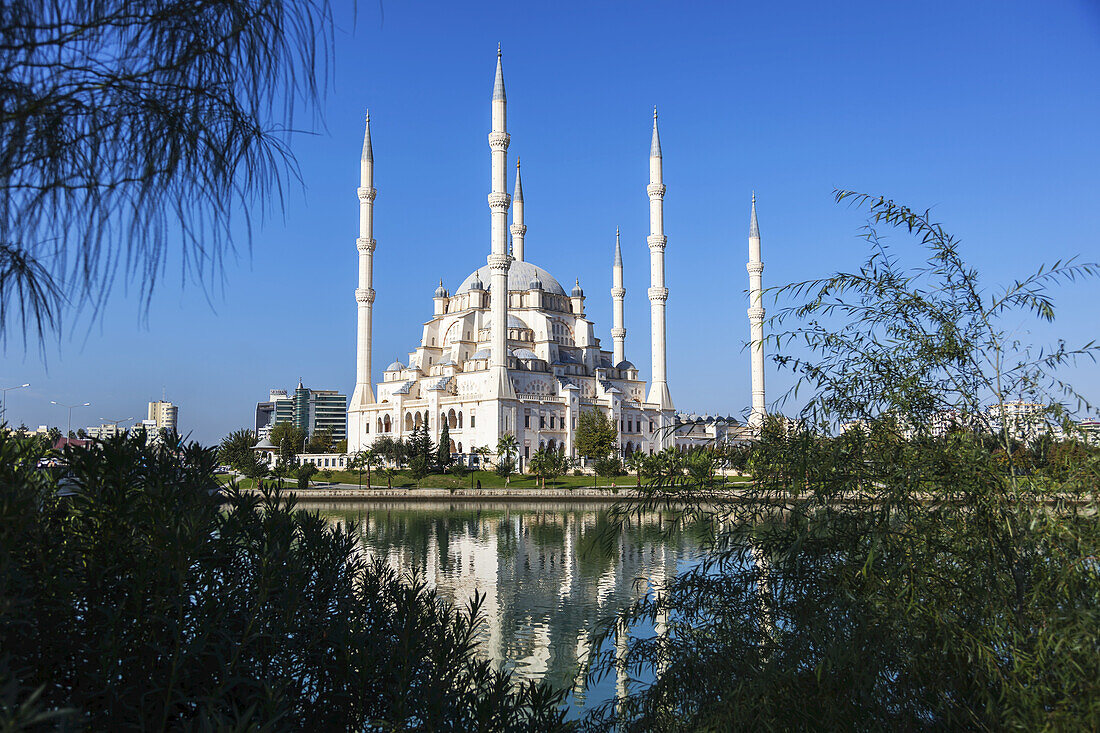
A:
x: 520, y: 275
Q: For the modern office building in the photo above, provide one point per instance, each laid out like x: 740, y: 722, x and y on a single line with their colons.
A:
x: 307, y: 409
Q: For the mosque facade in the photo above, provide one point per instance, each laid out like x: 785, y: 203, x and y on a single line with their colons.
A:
x: 511, y: 350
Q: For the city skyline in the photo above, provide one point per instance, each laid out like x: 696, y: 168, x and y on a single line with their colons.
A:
x: 976, y: 130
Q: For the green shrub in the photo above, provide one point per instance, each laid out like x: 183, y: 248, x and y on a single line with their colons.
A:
x: 143, y: 599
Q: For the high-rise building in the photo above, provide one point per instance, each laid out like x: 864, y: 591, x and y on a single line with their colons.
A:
x: 307, y: 409
x: 164, y: 416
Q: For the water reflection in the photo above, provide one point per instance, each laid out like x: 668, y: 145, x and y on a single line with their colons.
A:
x: 549, y: 571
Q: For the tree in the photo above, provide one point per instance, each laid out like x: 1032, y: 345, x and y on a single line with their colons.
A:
x: 596, y: 434
x: 420, y: 447
x: 700, y: 467
x: 443, y: 452
x: 221, y: 610
x: 636, y: 462
x: 320, y: 442
x: 365, y: 459
x: 421, y: 454
x: 132, y: 131
x: 548, y: 463
x: 305, y: 472
x: 608, y: 467
x: 236, y: 449
x: 482, y: 452
x: 289, y: 439
x: 342, y: 446
x: 389, y: 472
x: 888, y: 578
x: 252, y: 467
x: 507, y: 450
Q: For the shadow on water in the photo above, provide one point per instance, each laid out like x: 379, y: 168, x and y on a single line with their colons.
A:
x: 551, y: 572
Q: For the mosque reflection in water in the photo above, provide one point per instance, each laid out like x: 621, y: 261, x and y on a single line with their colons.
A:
x: 550, y: 572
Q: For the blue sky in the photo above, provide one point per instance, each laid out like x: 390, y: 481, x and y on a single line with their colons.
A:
x: 987, y: 112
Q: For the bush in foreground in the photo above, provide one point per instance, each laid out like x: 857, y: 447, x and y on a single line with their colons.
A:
x: 138, y: 597
x: 890, y: 577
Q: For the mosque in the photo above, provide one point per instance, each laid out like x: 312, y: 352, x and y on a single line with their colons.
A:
x: 512, y: 351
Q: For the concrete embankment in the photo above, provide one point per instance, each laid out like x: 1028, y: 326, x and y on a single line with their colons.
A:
x: 352, y: 492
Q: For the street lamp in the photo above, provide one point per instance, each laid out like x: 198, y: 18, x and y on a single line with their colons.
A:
x: 4, y: 401
x: 70, y: 408
x: 105, y: 421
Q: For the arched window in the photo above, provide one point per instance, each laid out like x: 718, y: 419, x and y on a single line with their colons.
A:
x: 460, y: 447
x: 408, y: 421
x: 452, y: 419
x: 460, y: 419
x: 386, y: 424
x: 417, y: 420
x: 379, y: 424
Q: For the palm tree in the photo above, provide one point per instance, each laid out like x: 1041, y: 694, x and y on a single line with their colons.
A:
x: 389, y: 473
x: 507, y: 450
x: 365, y: 459
x: 483, y: 454
x: 636, y: 462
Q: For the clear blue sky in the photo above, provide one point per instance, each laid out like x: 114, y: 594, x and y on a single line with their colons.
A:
x: 989, y: 112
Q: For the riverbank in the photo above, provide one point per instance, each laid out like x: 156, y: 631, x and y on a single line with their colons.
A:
x: 471, y: 481
x: 352, y: 492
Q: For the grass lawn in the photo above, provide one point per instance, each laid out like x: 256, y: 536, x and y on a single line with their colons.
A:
x: 488, y: 479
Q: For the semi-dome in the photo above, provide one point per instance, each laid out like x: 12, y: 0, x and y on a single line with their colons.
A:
x: 520, y: 275
x: 513, y: 322
x: 524, y: 354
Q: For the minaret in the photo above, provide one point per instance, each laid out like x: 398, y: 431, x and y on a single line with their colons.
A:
x: 518, y: 228
x: 364, y: 294
x: 618, y: 330
x: 658, y: 293
x: 499, y: 260
x: 756, y: 319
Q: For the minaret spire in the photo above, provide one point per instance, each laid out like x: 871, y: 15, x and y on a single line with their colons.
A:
x: 658, y: 293
x: 368, y: 151
x: 618, y: 292
x: 755, y: 267
x: 519, y: 229
x: 499, y: 260
x: 364, y: 294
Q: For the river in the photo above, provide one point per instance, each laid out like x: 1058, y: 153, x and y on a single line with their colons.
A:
x: 550, y: 571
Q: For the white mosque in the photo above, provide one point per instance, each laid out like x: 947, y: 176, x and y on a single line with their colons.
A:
x: 512, y: 351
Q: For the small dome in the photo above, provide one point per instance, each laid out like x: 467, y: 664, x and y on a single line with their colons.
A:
x: 625, y: 365
x: 396, y: 366
x: 475, y: 283
x: 577, y: 292
x: 536, y: 284
x: 441, y: 292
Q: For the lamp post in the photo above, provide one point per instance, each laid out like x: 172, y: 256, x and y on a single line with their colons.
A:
x: 4, y: 401
x: 105, y: 421
x: 70, y: 408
